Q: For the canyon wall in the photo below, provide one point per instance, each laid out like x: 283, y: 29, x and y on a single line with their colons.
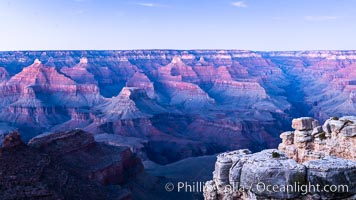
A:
x: 173, y: 104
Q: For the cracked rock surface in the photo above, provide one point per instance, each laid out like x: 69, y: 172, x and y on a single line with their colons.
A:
x: 310, y: 155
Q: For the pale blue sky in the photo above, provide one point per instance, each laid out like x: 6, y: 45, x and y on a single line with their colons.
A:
x: 177, y: 24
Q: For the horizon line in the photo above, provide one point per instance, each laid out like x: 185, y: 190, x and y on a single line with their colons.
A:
x: 164, y: 49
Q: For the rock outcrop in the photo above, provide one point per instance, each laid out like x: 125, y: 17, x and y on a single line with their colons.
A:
x: 332, y: 171
x: 336, y: 137
x: 131, y: 103
x: 307, y: 166
x: 12, y: 140
x: 68, y: 165
x: 101, y: 162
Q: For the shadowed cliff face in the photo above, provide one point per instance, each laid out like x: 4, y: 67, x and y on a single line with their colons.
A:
x: 177, y: 104
x: 67, y: 165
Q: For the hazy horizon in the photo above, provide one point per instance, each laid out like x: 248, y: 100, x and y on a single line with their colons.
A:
x: 256, y: 25
x: 311, y: 50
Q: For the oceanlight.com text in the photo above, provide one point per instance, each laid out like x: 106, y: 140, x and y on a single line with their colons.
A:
x: 198, y: 187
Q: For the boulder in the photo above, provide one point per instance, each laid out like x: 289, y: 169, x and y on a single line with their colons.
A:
x: 349, y: 130
x: 287, y: 137
x: 334, y: 125
x: 302, y: 136
x: 304, y: 123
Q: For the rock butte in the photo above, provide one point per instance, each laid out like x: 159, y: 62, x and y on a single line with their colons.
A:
x: 190, y: 102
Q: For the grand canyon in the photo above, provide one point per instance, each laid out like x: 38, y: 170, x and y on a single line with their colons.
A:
x: 131, y: 115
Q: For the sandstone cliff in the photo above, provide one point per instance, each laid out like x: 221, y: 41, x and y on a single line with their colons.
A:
x: 311, y: 155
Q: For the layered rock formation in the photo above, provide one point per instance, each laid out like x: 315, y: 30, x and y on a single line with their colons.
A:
x: 308, y: 162
x: 68, y: 165
x: 3, y: 75
x: 216, y: 100
x: 311, y: 141
x: 325, y: 79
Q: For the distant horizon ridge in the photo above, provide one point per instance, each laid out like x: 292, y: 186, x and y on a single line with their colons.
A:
x: 153, y: 49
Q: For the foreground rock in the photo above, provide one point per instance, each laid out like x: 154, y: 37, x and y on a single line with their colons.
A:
x: 336, y: 137
x: 284, y: 174
x: 84, y: 157
x: 64, y: 166
x: 270, y: 174
x: 271, y: 167
x: 332, y: 171
x: 12, y: 140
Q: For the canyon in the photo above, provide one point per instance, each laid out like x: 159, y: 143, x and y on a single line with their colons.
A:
x: 123, y: 123
x: 173, y: 104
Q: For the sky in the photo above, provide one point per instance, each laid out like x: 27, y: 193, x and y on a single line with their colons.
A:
x: 260, y: 25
